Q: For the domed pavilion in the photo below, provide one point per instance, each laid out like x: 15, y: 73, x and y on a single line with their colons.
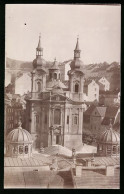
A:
x: 19, y: 143
x: 108, y: 142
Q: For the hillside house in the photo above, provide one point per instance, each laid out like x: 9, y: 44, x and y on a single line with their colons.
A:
x: 109, y: 98
x: 91, y: 91
x: 113, y: 113
x: 105, y: 82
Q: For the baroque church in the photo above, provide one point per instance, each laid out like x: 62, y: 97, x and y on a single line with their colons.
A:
x: 54, y: 112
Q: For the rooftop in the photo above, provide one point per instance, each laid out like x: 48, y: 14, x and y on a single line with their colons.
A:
x: 95, y: 179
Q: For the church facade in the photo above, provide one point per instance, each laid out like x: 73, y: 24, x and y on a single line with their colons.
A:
x: 54, y: 112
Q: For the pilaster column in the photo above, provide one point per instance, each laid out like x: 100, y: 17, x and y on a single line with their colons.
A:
x: 52, y: 116
x: 70, y: 120
x: 65, y: 120
x: 42, y: 119
x: 61, y: 121
x: 81, y: 84
x: 71, y: 83
x: 32, y: 119
x: 80, y: 120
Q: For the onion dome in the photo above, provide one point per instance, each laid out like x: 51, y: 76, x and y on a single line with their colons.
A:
x: 109, y: 136
x: 19, y: 135
x: 76, y: 64
x: 39, y: 62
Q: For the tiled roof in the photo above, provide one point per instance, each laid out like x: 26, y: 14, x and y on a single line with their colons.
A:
x: 117, y: 125
x: 97, y: 180
x: 90, y: 110
x: 87, y: 82
x: 111, y: 111
x: 102, y: 161
x: 106, y: 121
x: 66, y: 83
x: 101, y: 110
x: 109, y: 92
x: 18, y: 162
x: 32, y: 179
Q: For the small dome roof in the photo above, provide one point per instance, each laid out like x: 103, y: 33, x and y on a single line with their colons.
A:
x: 58, y: 90
x: 19, y: 135
x: 54, y: 83
x: 55, y: 65
x: 109, y: 136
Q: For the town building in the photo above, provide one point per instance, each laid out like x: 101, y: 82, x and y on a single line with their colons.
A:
x: 93, y: 117
x: 113, y: 113
x: 55, y: 112
x: 91, y: 91
x: 105, y: 82
x: 14, y: 109
x: 109, y: 98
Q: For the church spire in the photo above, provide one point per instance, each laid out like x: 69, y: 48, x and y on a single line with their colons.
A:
x: 77, y: 50
x: 39, y: 50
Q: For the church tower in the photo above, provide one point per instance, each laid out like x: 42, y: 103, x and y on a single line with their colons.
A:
x: 39, y: 72
x: 54, y: 71
x: 76, y: 75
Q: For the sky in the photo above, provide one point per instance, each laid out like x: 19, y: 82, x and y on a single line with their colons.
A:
x: 98, y: 28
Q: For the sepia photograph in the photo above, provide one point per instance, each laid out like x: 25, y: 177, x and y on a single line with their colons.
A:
x: 62, y: 96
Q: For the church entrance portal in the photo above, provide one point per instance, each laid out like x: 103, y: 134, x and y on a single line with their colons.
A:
x: 56, y: 135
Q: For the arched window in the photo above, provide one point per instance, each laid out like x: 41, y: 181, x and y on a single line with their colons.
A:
x: 118, y: 149
x: 31, y: 148
x: 100, y: 147
x: 55, y: 76
x: 109, y: 150
x: 50, y: 75
x: 39, y: 86
x: 21, y: 149
x: 8, y: 148
x: 67, y: 119
x: 26, y: 149
x: 45, y: 118
x: 57, y: 116
x: 114, y: 150
x: 37, y: 118
x: 76, y: 87
x: 75, y: 120
x: 15, y: 150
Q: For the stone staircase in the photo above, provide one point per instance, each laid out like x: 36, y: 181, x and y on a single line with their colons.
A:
x: 57, y: 149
